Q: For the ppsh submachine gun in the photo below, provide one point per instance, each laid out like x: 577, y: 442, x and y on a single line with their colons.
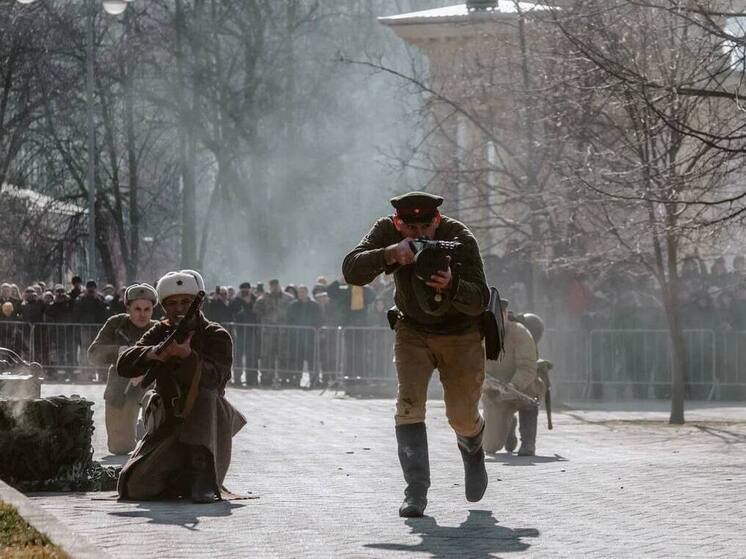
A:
x: 431, y: 256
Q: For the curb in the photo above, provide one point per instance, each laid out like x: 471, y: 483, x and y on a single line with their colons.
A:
x: 73, y: 544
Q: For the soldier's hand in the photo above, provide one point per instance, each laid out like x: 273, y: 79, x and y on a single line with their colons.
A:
x: 441, y: 280
x: 400, y: 253
x: 175, y: 350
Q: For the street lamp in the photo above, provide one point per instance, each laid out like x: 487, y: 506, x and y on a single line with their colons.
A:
x: 113, y: 7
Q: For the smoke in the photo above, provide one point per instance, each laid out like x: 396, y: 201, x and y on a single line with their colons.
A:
x: 332, y: 166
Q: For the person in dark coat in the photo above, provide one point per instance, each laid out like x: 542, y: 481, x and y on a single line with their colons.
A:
x: 351, y: 305
x: 89, y: 313
x: 246, y: 336
x: 305, y: 315
x: 189, y: 424
x: 59, y: 315
x: 77, y: 289
x: 32, y: 312
x: 218, y: 309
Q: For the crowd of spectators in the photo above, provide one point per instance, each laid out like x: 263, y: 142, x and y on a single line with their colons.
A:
x: 626, y: 296
x: 274, y: 326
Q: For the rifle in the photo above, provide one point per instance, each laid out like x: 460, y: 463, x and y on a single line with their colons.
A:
x: 543, y: 367
x: 506, y: 389
x: 179, y: 334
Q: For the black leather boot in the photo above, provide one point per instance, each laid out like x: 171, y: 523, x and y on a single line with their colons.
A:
x: 511, y: 442
x: 415, y: 464
x: 475, y: 474
x: 527, y: 426
x: 202, y: 473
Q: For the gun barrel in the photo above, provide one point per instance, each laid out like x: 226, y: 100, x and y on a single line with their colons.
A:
x: 500, y: 386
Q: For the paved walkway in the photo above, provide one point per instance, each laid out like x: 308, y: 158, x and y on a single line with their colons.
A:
x: 329, y: 481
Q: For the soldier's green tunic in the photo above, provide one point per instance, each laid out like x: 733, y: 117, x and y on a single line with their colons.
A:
x: 467, y: 298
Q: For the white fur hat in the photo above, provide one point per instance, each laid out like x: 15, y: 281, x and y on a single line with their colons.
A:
x: 185, y: 282
x: 140, y: 291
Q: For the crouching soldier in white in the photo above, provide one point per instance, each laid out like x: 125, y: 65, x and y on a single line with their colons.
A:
x: 516, y: 367
x: 122, y: 396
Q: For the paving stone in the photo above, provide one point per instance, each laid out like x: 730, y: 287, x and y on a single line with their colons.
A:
x: 329, y: 482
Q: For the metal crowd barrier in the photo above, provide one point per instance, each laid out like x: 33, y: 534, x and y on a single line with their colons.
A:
x: 587, y: 364
x: 637, y: 364
x: 274, y: 354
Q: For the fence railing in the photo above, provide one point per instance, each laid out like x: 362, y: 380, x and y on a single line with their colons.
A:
x: 587, y: 364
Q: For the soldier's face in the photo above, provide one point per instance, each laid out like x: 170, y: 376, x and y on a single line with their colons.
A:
x: 415, y: 230
x: 177, y: 306
x: 140, y: 311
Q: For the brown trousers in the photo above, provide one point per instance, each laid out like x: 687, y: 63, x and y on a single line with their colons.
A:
x: 460, y: 361
x: 121, y: 426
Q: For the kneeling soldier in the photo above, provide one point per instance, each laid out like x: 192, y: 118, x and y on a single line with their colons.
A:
x: 437, y: 324
x: 189, y: 424
x: 515, y: 367
x: 122, y: 396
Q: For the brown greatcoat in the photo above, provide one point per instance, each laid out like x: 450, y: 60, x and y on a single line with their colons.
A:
x: 212, y: 422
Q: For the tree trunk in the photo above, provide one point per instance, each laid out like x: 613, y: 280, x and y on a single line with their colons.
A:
x: 186, y: 154
x: 131, y: 259
x: 678, y: 353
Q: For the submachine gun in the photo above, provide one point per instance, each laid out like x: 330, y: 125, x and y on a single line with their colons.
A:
x: 431, y: 257
x: 184, y: 326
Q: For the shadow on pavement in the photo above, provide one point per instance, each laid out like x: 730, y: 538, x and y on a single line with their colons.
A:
x: 729, y: 437
x: 178, y: 513
x: 478, y: 536
x: 510, y: 459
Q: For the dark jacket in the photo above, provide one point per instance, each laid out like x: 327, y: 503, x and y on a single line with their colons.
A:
x: 60, y: 311
x: 305, y: 313
x: 464, y: 303
x: 243, y: 311
x: 33, y: 311
x: 219, y: 312
x: 89, y: 309
x: 340, y: 296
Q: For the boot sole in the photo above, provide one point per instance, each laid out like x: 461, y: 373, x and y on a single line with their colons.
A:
x: 411, y: 513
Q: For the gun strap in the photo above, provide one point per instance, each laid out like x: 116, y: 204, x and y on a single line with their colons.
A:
x: 193, y: 390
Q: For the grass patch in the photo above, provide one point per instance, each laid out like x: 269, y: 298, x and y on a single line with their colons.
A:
x: 18, y: 540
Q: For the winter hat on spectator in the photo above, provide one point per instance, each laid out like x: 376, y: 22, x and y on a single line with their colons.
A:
x: 90, y: 284
x: 140, y: 291
x: 184, y: 282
